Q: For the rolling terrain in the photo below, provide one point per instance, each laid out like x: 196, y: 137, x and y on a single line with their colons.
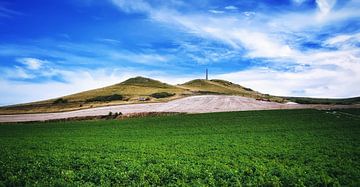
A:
x: 149, y: 93
x: 136, y: 90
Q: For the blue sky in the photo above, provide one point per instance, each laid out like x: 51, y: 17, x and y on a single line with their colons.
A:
x: 281, y: 47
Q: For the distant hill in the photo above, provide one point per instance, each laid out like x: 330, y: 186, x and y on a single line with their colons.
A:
x: 143, y: 90
x: 308, y: 100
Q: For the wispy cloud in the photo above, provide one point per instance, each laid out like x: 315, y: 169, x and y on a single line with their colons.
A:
x: 311, y: 83
x: 311, y: 47
x: 32, y: 63
x: 12, y: 91
x: 7, y: 12
x: 216, y: 11
x: 276, y: 38
x: 325, y: 6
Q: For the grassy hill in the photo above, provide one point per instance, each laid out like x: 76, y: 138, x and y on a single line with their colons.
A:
x: 216, y: 86
x: 133, y: 90
x: 141, y: 89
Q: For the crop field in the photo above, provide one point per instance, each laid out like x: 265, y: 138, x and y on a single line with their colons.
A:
x: 280, y: 147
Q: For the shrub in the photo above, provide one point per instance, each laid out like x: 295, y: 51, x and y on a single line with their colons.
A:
x: 162, y: 95
x: 248, y: 89
x: 106, y: 98
x: 60, y: 101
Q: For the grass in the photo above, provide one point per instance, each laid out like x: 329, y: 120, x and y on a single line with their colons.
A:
x: 283, y: 147
x: 162, y: 95
x: 306, y: 100
x: 226, y: 88
x: 131, y: 90
x: 135, y: 89
x: 106, y: 98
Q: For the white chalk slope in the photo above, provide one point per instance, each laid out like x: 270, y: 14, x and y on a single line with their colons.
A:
x: 193, y: 104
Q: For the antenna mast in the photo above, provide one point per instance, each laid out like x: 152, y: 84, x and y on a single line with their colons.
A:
x: 207, y: 75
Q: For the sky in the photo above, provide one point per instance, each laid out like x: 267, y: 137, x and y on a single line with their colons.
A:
x: 282, y: 47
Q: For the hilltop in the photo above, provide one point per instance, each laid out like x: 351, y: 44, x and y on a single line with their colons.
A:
x: 130, y: 89
x: 133, y: 90
x: 217, y: 86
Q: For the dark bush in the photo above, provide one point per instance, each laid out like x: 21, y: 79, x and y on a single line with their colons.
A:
x: 248, y: 89
x: 60, y: 101
x: 106, y: 98
x: 162, y: 95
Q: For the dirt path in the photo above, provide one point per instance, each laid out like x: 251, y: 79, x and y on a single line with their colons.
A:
x: 193, y: 104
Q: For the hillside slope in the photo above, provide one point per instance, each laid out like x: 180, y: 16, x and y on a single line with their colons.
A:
x: 145, y: 90
x: 216, y: 86
x: 130, y: 89
x: 133, y: 90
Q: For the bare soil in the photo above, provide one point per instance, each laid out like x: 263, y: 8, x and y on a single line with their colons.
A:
x: 193, y: 104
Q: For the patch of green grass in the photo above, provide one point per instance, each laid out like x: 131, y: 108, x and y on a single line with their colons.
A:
x: 60, y: 101
x: 146, y: 82
x: 162, y: 95
x: 290, y: 148
x: 226, y: 88
x: 307, y: 100
x: 105, y: 98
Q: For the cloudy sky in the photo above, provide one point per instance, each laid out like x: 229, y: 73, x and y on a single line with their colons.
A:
x: 281, y: 47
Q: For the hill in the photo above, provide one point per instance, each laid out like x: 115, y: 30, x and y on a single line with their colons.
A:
x: 133, y: 90
x: 145, y: 90
x: 130, y: 89
x: 308, y: 100
x: 217, y: 86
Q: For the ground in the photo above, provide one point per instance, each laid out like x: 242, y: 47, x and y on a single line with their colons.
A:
x: 282, y: 147
x: 133, y: 91
x: 192, y: 104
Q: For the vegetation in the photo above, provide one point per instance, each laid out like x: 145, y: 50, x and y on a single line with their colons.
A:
x: 307, y: 100
x: 269, y: 148
x: 60, y: 101
x: 131, y: 90
x: 227, y: 88
x: 142, y: 81
x: 105, y: 98
x: 162, y: 95
x: 140, y: 87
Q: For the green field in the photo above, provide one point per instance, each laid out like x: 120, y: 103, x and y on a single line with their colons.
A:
x: 308, y: 100
x: 290, y: 147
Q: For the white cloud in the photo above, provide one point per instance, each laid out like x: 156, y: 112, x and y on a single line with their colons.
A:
x: 311, y: 83
x: 318, y: 73
x: 325, y: 7
x: 12, y: 92
x: 328, y: 74
x: 133, y: 5
x: 32, y: 63
x: 343, y: 39
x: 249, y: 14
x: 299, y: 2
x: 216, y: 11
x: 231, y: 7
